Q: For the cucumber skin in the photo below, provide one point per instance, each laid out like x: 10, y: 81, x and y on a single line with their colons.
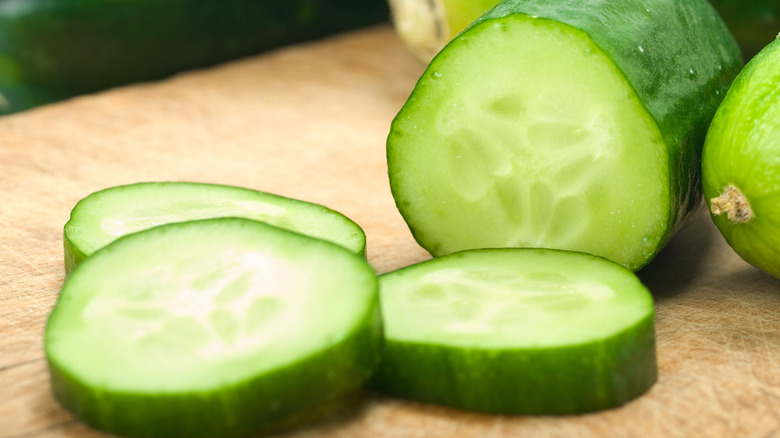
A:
x: 676, y: 37
x: 535, y: 382
x: 256, y: 405
x: 55, y: 49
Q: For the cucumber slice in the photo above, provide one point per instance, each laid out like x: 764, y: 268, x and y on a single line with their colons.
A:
x: 211, y: 328
x: 517, y: 331
x: 740, y: 163
x: 103, y: 216
x: 572, y: 126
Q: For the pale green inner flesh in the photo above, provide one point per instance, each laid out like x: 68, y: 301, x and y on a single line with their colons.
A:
x: 110, y: 214
x: 198, y: 307
x: 501, y: 301
x: 524, y: 133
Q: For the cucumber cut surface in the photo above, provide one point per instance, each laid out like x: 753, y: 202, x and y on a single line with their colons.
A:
x: 108, y: 214
x: 211, y: 328
x: 561, y: 127
x: 740, y: 171
x: 517, y: 331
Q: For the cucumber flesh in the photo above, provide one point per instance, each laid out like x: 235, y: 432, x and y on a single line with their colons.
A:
x: 108, y: 214
x: 211, y: 328
x: 529, y: 155
x: 517, y: 331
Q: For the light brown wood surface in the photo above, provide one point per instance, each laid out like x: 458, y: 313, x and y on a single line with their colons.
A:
x: 310, y: 122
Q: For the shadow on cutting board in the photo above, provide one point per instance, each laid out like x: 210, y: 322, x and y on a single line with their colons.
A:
x: 684, y: 259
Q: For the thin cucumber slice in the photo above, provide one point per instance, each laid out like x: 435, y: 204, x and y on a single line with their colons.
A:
x: 108, y: 214
x: 573, y: 126
x: 740, y: 171
x: 211, y: 328
x: 517, y: 331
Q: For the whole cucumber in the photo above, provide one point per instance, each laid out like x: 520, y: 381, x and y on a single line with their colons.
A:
x: 740, y: 162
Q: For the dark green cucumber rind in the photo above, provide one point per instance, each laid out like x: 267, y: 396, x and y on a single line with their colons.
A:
x: 54, y: 49
x: 575, y: 379
x: 676, y: 38
x: 231, y: 412
x: 75, y: 255
x: 741, y: 114
x: 241, y: 408
x: 754, y: 23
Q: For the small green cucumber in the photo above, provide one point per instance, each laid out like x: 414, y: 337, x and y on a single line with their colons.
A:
x: 103, y: 216
x: 574, y: 125
x: 741, y: 163
x: 517, y: 331
x: 211, y: 328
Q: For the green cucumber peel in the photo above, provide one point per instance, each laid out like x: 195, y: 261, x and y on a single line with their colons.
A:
x: 517, y: 331
x: 105, y: 215
x: 573, y: 126
x: 211, y: 328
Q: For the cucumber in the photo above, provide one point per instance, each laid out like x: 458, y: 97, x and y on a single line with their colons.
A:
x: 517, y: 331
x: 54, y: 49
x: 425, y: 26
x: 754, y: 23
x: 103, y: 216
x: 211, y: 328
x: 740, y: 163
x: 573, y: 125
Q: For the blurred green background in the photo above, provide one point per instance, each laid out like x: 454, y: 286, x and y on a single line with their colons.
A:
x: 55, y: 49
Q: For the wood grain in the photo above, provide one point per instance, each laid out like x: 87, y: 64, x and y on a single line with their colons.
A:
x: 310, y: 122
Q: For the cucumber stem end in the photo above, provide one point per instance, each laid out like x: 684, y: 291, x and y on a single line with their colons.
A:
x: 734, y: 204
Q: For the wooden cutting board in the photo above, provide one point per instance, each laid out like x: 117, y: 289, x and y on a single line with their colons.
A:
x: 310, y: 122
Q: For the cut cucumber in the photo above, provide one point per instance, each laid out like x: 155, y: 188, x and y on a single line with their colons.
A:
x: 108, y: 214
x: 211, y: 328
x: 517, y: 331
x: 741, y: 177
x: 426, y: 26
x: 572, y: 126
x: 54, y: 49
